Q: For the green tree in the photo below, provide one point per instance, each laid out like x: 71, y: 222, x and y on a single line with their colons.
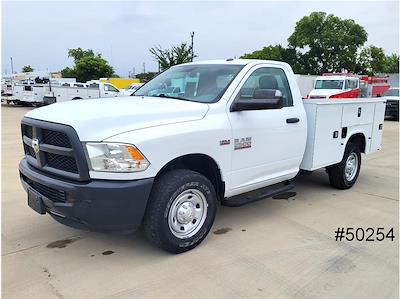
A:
x: 27, y: 69
x: 392, y: 64
x: 327, y: 43
x: 279, y: 53
x: 79, y: 53
x: 371, y: 60
x: 88, y: 66
x: 176, y: 55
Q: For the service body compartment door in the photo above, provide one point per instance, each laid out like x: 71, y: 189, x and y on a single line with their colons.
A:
x: 357, y: 114
x: 324, y: 136
x: 379, y: 116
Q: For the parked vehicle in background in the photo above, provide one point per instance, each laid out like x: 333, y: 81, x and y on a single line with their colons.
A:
x: 7, y: 91
x: 129, y: 90
x: 80, y: 91
x: 31, y: 92
x: 347, y: 85
x: 373, y: 86
x: 392, y: 102
x: 237, y: 131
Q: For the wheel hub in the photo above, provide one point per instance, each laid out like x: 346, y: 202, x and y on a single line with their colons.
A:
x: 185, y: 212
x: 351, y: 167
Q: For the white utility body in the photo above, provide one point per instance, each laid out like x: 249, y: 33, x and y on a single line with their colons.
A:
x: 364, y: 116
x: 198, y: 134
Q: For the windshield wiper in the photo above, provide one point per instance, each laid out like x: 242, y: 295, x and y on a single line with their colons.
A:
x: 163, y: 95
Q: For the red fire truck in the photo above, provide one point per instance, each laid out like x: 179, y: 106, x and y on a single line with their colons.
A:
x: 348, y: 85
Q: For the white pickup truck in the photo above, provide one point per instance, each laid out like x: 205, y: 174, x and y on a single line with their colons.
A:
x: 78, y: 91
x: 236, y: 132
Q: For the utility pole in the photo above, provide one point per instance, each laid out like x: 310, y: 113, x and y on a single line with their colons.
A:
x: 144, y: 68
x: 12, y: 66
x: 192, y: 36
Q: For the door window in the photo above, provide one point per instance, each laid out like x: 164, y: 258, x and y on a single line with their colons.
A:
x: 267, y: 78
x: 108, y: 87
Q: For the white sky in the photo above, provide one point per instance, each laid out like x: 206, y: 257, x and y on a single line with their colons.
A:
x: 39, y: 33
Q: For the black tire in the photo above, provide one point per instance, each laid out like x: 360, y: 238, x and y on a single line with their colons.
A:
x: 165, y: 191
x: 336, y: 173
x: 76, y: 99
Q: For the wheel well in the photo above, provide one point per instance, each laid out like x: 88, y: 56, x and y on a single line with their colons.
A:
x: 202, y: 164
x: 77, y: 98
x: 358, y: 139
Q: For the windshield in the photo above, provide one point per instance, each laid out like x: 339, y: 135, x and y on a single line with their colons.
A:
x: 194, y: 82
x: 391, y: 92
x: 329, y: 84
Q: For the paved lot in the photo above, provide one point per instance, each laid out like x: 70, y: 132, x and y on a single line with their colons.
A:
x: 273, y: 248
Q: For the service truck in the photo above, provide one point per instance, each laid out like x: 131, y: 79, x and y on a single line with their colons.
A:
x: 238, y: 131
x: 78, y: 91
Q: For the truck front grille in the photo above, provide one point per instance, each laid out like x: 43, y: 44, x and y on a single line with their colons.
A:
x: 58, y: 149
x: 56, y: 138
x: 61, y: 162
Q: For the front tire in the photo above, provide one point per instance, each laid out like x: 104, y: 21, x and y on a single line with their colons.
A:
x: 181, y: 210
x: 344, y: 174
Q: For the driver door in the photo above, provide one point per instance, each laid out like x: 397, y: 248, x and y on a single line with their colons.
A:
x: 110, y: 91
x: 268, y: 144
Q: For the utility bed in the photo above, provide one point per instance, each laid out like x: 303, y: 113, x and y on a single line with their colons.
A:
x: 328, y: 123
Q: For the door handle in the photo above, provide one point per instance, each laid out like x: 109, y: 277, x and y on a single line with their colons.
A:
x: 292, y: 120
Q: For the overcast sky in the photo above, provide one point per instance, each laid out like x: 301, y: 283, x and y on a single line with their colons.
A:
x: 39, y: 33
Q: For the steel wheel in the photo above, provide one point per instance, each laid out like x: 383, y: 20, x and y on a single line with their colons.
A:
x: 350, y: 170
x: 187, y: 213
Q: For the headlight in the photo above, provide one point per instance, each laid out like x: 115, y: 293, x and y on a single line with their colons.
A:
x: 115, y: 157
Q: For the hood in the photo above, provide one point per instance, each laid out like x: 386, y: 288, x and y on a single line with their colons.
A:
x: 98, y: 119
x: 325, y: 92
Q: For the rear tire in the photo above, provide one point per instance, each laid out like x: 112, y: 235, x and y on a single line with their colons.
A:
x: 344, y: 174
x: 181, y: 210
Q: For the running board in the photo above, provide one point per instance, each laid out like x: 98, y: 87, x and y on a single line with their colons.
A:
x: 256, y: 195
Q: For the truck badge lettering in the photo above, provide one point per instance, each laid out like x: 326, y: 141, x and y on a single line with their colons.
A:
x: 224, y: 142
x: 242, y: 143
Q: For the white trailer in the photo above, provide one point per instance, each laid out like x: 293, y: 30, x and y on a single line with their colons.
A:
x: 80, y: 91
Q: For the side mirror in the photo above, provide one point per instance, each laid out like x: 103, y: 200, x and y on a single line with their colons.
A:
x: 262, y: 99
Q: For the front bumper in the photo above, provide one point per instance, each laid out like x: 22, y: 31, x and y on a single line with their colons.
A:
x: 97, y: 205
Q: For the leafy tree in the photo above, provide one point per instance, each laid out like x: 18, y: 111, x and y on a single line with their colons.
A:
x: 169, y: 57
x: 27, y: 69
x: 88, y: 66
x: 327, y: 42
x: 68, y: 72
x: 279, y: 53
x: 392, y: 64
x: 371, y: 60
x: 79, y: 53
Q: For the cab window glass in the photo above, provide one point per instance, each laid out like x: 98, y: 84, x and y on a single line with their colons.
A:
x: 108, y: 87
x: 267, y: 78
